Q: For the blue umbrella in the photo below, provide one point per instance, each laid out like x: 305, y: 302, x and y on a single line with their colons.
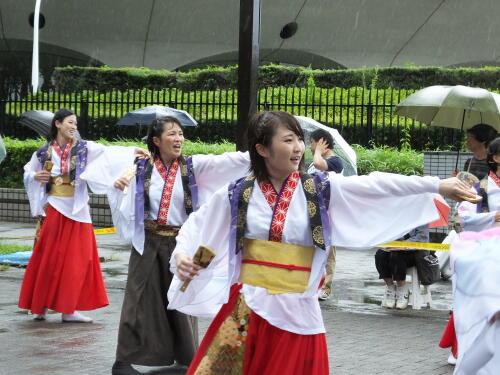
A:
x: 144, y: 116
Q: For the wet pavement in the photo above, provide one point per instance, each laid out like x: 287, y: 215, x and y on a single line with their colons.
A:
x: 362, y: 337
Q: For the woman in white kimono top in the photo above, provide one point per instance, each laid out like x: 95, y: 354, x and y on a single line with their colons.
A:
x: 474, y: 218
x: 64, y: 273
x: 269, y: 232
x: 485, y: 214
x: 166, y: 189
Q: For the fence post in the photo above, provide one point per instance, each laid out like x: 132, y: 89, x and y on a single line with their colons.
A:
x: 83, y: 125
x: 2, y: 116
x: 369, y: 122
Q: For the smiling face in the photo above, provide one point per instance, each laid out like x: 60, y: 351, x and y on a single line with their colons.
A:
x: 170, y: 142
x: 66, y: 129
x: 285, y: 153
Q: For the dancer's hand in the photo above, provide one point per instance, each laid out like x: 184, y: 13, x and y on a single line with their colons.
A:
x: 121, y: 183
x: 497, y: 216
x: 321, y: 147
x: 455, y: 189
x: 186, y: 269
x: 141, y: 153
x: 42, y: 176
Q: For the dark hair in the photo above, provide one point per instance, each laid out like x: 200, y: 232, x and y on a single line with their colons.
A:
x: 493, y: 149
x: 322, y: 133
x: 60, y: 115
x: 261, y: 129
x: 483, y: 133
x: 155, y: 129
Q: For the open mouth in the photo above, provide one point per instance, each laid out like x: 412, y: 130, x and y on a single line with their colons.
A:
x: 295, y: 159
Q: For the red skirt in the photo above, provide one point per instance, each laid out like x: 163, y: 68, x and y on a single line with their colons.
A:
x: 64, y: 273
x: 449, y: 337
x: 241, y: 342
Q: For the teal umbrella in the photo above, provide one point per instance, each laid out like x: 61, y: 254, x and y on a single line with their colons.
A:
x: 3, y: 151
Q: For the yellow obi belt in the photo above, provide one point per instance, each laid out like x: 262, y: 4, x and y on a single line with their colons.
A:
x: 61, y: 187
x: 278, y: 267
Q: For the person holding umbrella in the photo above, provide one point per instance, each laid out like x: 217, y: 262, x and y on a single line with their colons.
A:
x: 270, y: 257
x: 166, y: 189
x: 478, y: 139
x: 64, y: 272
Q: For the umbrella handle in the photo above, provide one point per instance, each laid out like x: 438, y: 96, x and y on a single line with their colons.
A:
x: 461, y: 136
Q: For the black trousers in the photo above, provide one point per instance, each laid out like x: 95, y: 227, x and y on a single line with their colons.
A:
x: 149, y: 334
x: 393, y: 264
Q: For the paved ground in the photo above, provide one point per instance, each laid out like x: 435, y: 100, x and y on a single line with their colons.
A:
x: 362, y: 337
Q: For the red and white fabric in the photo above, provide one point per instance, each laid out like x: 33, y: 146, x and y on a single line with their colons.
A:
x: 279, y: 204
x: 64, y: 272
x: 63, y: 156
x: 168, y: 177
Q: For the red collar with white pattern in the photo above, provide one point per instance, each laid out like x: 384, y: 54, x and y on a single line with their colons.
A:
x: 279, y: 203
x: 169, y: 180
x: 63, y: 155
x: 495, y: 178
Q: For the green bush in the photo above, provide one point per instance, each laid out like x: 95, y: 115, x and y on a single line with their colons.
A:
x: 388, y: 159
x: 71, y: 79
x: 384, y: 159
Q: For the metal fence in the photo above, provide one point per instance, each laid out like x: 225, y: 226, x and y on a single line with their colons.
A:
x: 362, y: 116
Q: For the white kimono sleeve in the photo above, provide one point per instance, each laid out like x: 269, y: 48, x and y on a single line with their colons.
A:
x: 209, y: 226
x: 122, y: 208
x: 476, y: 301
x: 105, y: 164
x: 473, y: 221
x: 366, y: 211
x: 214, y: 171
x: 35, y: 190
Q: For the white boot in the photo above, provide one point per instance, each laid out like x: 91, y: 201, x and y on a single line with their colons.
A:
x: 402, y: 296
x: 452, y: 360
x: 41, y: 316
x: 76, y: 317
x: 389, y: 300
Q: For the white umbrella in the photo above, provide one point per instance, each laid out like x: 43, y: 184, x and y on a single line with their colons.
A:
x: 3, y: 152
x: 341, y: 147
x: 458, y: 107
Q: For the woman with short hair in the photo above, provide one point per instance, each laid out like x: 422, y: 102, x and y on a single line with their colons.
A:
x: 270, y: 231
x: 167, y: 187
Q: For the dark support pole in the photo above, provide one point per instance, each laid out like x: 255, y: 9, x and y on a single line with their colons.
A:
x: 248, y: 63
x: 83, y: 125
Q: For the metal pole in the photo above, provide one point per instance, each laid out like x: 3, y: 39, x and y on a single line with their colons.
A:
x: 34, y: 63
x: 460, y: 141
x: 248, y: 63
